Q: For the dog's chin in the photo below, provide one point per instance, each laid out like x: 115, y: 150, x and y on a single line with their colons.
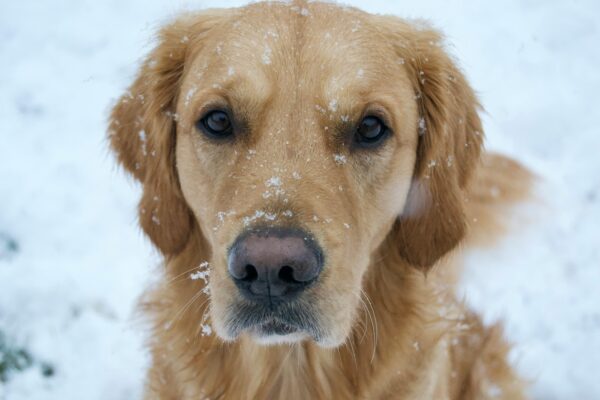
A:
x: 287, y: 324
x: 275, y: 332
x: 293, y: 338
x: 275, y: 339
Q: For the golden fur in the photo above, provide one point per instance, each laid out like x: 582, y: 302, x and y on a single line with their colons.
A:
x: 298, y: 76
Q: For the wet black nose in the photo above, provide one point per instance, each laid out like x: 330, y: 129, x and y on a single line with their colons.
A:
x: 273, y: 265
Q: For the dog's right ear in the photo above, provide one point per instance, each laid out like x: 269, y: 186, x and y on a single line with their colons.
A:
x: 142, y: 131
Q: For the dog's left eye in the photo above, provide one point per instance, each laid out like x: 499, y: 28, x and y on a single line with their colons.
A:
x: 371, y: 131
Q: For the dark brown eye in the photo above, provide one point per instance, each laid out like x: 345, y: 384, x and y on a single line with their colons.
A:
x: 371, y: 131
x: 215, y: 124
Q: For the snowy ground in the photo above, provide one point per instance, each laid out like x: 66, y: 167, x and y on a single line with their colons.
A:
x: 72, y: 260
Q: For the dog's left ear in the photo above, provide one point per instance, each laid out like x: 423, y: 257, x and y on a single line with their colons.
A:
x: 433, y: 221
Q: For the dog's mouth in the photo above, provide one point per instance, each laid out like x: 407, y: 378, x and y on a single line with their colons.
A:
x: 294, y: 322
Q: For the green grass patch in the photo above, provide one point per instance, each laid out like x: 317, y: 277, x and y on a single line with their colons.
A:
x: 14, y: 359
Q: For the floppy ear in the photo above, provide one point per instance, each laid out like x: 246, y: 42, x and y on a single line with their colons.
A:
x: 450, y: 142
x: 142, y: 133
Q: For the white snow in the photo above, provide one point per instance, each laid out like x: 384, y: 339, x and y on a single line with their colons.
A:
x: 340, y: 159
x: 274, y: 181
x: 266, y: 56
x: 190, y: 94
x: 270, y: 216
x: 333, y: 105
x: 198, y: 275
x: 73, y: 260
x: 320, y: 109
x: 422, y: 126
x: 206, y: 330
x: 142, y: 136
x: 251, y: 153
x: 202, y: 272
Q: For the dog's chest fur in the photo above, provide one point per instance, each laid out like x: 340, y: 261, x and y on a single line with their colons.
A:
x: 377, y: 362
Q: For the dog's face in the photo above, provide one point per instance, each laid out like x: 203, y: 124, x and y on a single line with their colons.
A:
x: 294, y: 139
x: 310, y: 132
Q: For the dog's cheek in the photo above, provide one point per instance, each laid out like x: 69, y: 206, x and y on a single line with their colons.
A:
x: 338, y: 316
x: 389, y: 197
x: 194, y: 180
x: 219, y: 304
x: 394, y: 192
x: 218, y: 324
x: 339, y: 299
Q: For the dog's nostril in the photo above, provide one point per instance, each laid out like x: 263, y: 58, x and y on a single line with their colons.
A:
x: 286, y: 274
x: 251, y: 273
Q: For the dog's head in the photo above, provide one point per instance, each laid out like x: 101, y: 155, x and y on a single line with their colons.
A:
x: 294, y: 138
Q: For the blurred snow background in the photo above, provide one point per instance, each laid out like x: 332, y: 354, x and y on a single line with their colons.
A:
x: 72, y: 260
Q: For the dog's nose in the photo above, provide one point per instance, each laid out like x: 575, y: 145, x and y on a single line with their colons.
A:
x: 273, y: 265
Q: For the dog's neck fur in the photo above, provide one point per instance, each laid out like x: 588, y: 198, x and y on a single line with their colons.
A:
x: 304, y: 370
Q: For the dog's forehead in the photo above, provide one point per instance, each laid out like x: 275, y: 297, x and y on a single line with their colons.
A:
x: 322, y: 47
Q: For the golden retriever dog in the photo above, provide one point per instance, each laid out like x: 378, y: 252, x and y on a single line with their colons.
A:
x: 308, y: 171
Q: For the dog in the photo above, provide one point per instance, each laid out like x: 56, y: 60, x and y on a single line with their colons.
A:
x: 310, y: 172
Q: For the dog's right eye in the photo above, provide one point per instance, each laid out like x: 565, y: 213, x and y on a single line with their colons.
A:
x: 215, y: 124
